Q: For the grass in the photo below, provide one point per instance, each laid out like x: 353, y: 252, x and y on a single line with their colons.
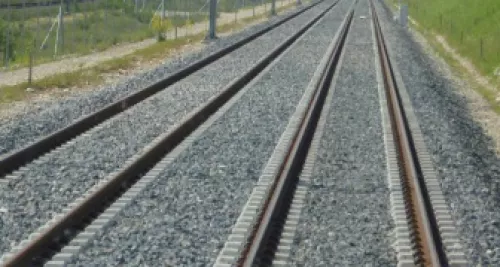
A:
x: 472, y: 28
x: 95, y: 31
x: 88, y: 27
x: 20, y: 14
x: 95, y: 75
x: 232, y: 5
x: 464, y: 23
x: 456, y: 66
x: 89, y: 6
x: 242, y: 22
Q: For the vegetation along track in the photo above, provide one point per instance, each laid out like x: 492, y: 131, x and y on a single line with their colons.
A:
x: 49, y: 239
x: 27, y: 4
x: 16, y: 159
x: 419, y: 211
x: 266, y: 225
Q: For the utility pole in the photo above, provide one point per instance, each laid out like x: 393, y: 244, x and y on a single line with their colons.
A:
x: 213, y: 20
x: 162, y: 11
x: 61, y: 26
x: 253, y: 8
x: 67, y: 6
x: 7, y: 38
x: 58, y: 34
x: 273, y: 7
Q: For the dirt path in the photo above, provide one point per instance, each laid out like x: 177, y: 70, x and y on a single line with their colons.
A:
x: 75, y: 63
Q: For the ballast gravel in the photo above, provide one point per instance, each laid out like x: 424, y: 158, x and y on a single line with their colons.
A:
x: 47, y: 186
x: 346, y: 220
x: 184, y: 217
x: 42, y: 118
x: 467, y: 166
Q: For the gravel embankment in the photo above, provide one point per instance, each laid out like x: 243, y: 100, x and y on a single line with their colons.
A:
x: 463, y: 155
x: 43, y: 118
x: 346, y: 219
x: 183, y: 218
x: 47, y: 186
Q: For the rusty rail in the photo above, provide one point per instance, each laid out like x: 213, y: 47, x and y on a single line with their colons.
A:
x: 269, y: 224
x: 420, y: 214
x: 49, y: 240
x: 22, y: 156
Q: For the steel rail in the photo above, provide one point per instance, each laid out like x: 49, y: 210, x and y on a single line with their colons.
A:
x: 419, y: 210
x: 271, y: 218
x: 17, y: 158
x: 81, y: 215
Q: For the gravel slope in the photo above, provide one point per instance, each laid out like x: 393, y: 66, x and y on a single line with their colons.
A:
x: 346, y: 219
x: 36, y: 195
x: 466, y: 164
x: 44, y: 118
x: 184, y: 217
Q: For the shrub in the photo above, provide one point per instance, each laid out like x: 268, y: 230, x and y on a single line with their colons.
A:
x: 158, y: 26
x: 16, y: 43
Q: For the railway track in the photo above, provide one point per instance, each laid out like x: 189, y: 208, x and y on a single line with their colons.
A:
x: 427, y: 240
x: 425, y: 232
x: 20, y: 157
x: 43, y: 244
x: 255, y: 237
